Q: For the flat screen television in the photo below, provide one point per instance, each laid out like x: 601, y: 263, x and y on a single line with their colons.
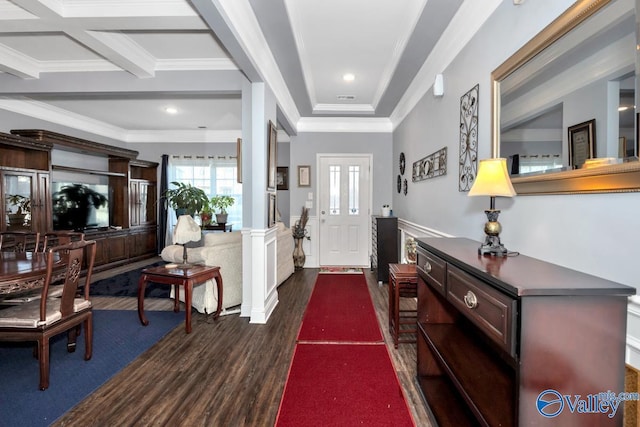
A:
x: 79, y: 206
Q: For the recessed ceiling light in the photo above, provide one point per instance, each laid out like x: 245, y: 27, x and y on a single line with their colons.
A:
x: 171, y: 110
x: 348, y: 77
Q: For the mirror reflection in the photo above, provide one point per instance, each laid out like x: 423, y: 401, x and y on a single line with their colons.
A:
x: 573, y: 105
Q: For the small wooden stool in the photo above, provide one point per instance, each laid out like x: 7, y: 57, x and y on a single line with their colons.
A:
x: 403, y: 283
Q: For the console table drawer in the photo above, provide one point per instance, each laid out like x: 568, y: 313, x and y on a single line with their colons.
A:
x: 492, y: 311
x: 433, y: 270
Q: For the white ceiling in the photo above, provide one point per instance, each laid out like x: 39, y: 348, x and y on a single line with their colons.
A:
x: 109, y: 68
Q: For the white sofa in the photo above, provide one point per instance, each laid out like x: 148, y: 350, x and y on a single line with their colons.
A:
x: 225, y: 250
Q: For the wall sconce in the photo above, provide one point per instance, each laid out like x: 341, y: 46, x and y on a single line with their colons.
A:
x: 186, y: 231
x: 493, y: 181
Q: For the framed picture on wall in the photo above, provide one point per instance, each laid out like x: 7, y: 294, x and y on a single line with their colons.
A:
x: 304, y: 176
x: 282, y: 178
x: 582, y: 143
x: 272, y: 210
x: 271, y: 157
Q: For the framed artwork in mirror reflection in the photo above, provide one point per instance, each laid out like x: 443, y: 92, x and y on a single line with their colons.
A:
x: 582, y: 143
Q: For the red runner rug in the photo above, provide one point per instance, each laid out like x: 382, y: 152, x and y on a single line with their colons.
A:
x: 341, y: 373
x: 340, y: 309
x: 342, y: 385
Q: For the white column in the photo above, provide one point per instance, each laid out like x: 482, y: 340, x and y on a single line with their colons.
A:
x: 260, y: 295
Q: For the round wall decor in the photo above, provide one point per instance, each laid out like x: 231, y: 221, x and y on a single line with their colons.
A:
x: 403, y: 163
x: 399, y: 184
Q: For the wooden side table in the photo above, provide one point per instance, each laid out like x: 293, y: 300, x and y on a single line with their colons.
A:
x: 224, y: 227
x: 403, y: 283
x: 176, y: 277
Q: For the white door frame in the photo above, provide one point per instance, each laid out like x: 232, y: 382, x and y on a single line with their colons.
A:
x: 368, y: 156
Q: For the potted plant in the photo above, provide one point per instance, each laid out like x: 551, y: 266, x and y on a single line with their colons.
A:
x: 23, y: 203
x: 185, y: 199
x: 72, y: 205
x: 219, y: 204
x: 206, y: 214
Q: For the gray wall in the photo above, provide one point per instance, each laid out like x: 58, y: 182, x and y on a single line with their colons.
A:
x: 594, y: 233
x: 305, y: 146
x: 284, y: 198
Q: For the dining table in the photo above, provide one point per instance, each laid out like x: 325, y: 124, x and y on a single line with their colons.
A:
x: 22, y: 273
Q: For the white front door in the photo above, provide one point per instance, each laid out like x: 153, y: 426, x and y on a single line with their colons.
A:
x: 344, y: 189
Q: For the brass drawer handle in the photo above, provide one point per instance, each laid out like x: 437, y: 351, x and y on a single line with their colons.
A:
x: 427, y: 267
x: 470, y: 300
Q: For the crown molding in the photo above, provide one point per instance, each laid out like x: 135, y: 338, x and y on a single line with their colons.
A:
x: 400, y: 46
x: 49, y: 113
x: 183, y: 136
x: 471, y: 16
x: 91, y: 8
x: 344, y: 124
x: 240, y: 18
x: 343, y: 108
x: 210, y: 64
x: 293, y: 11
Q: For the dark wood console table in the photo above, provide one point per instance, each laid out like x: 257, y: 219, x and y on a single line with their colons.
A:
x: 499, y: 338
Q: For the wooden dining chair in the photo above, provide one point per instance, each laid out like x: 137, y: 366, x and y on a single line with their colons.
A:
x: 19, y: 241
x: 47, y: 317
x: 56, y: 238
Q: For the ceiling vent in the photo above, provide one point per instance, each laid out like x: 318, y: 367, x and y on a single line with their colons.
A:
x: 346, y: 97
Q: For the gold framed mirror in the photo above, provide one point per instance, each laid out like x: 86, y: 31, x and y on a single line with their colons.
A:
x: 616, y: 169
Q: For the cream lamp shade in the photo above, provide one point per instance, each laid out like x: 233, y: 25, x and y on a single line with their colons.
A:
x: 186, y: 230
x: 492, y: 179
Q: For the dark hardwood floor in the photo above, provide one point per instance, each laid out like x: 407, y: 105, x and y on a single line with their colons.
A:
x: 226, y: 372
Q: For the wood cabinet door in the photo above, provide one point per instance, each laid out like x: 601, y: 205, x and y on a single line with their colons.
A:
x: 19, y: 197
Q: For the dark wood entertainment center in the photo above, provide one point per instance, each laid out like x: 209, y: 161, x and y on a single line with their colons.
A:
x: 25, y: 157
x: 500, y: 337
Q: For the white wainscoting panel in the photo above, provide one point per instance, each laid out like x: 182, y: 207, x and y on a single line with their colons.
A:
x: 633, y: 332
x: 410, y: 229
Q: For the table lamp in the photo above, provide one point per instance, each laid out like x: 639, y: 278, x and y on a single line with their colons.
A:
x: 493, y: 181
x: 185, y: 231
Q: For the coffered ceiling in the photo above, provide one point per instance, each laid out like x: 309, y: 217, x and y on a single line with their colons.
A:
x: 111, y: 68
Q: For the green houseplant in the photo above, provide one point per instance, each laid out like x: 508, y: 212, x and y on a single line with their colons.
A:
x: 185, y: 199
x: 219, y: 204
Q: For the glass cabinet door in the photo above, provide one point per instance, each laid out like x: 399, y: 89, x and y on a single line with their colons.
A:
x: 18, y: 191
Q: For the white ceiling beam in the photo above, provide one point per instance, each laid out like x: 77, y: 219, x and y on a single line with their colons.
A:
x: 17, y: 64
x: 119, y: 49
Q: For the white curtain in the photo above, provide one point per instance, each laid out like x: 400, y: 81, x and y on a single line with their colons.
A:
x: 215, y: 175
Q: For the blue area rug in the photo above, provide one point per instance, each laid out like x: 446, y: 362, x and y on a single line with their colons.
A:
x: 126, y: 285
x: 118, y: 339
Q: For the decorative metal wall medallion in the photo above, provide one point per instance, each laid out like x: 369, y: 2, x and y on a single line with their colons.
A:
x: 431, y: 166
x: 402, y: 163
x: 468, y: 138
x: 399, y: 183
x: 405, y: 188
